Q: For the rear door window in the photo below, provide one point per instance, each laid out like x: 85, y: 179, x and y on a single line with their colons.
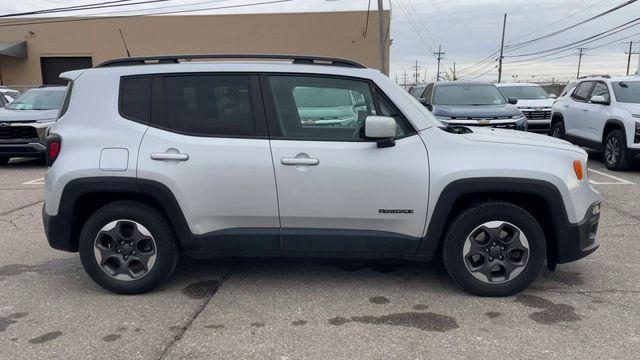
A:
x: 207, y: 105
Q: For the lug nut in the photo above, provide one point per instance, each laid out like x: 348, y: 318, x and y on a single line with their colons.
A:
x: 495, y: 243
x: 504, y: 248
x: 126, y: 257
x: 490, y: 259
x: 487, y: 250
x: 500, y: 257
x: 133, y: 253
x: 122, y: 242
x: 118, y: 251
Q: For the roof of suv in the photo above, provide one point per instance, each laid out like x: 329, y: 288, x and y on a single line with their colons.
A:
x: 454, y: 83
x: 515, y: 84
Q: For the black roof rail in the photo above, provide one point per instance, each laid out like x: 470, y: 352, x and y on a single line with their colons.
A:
x: 174, y: 59
x: 596, y: 76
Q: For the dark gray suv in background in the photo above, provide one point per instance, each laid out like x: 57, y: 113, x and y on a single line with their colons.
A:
x: 472, y: 104
x: 23, y: 122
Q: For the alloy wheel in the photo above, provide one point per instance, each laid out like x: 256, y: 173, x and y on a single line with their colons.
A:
x: 612, y: 150
x: 496, y: 252
x: 125, y: 250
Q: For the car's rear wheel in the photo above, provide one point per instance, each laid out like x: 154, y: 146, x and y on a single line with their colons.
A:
x: 615, y: 151
x: 557, y: 130
x: 128, y: 247
x: 494, y: 249
x: 4, y: 160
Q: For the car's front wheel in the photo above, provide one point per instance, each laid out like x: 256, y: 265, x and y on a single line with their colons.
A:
x: 494, y: 249
x: 128, y: 247
x: 615, y: 151
x: 557, y: 130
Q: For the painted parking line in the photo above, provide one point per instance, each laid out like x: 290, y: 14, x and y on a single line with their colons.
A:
x: 39, y: 181
x: 617, y: 180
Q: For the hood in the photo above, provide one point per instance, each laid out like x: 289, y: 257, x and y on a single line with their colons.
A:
x: 520, y: 138
x: 7, y: 115
x: 480, y: 111
x: 535, y: 103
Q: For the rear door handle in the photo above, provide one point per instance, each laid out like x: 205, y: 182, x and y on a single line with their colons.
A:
x: 300, y: 161
x: 169, y: 156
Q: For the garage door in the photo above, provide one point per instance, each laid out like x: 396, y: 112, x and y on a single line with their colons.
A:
x: 53, y: 66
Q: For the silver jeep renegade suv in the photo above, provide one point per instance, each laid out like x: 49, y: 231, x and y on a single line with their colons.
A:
x: 153, y: 156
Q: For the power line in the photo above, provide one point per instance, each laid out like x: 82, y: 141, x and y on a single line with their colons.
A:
x: 34, y: 12
x: 84, y: 7
x: 586, y: 40
x: 139, y: 15
x: 528, y: 42
x: 558, y: 21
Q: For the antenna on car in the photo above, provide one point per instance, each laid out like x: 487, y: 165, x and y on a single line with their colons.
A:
x: 125, y: 43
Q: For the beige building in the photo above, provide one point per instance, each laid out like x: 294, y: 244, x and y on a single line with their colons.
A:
x: 34, y: 51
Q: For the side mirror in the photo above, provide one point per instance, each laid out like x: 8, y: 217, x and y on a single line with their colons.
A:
x: 381, y: 129
x: 512, y: 100
x: 553, y: 96
x: 426, y: 104
x: 599, y: 99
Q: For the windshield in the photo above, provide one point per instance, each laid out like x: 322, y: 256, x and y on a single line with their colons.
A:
x: 627, y: 91
x: 321, y: 97
x: 38, y: 100
x: 468, y: 95
x: 524, y: 92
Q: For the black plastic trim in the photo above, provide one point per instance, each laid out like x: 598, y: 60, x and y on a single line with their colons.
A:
x: 457, y: 189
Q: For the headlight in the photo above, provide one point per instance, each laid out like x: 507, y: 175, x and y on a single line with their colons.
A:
x: 46, y: 121
x: 636, y: 116
x: 443, y: 118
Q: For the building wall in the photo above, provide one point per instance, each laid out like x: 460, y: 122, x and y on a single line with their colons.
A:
x: 338, y: 34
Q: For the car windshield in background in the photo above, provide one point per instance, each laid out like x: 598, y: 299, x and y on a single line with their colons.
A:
x: 461, y: 95
x: 38, y: 100
x: 319, y: 97
x: 524, y: 92
x: 627, y: 91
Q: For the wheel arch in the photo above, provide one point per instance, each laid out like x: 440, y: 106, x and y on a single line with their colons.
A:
x: 82, y: 197
x: 556, y: 117
x: 610, y: 125
x: 540, y: 198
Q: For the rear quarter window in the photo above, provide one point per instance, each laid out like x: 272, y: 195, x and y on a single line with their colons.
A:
x: 135, y: 98
x: 65, y: 101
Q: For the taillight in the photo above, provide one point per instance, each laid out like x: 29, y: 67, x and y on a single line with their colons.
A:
x: 54, y: 145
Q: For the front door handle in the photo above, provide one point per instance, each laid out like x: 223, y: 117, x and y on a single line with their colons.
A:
x: 169, y: 156
x: 300, y: 161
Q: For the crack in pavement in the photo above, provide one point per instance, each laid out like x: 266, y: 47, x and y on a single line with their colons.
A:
x: 183, y: 329
x: 22, y: 207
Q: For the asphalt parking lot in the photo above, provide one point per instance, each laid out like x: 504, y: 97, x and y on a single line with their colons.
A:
x: 309, y: 308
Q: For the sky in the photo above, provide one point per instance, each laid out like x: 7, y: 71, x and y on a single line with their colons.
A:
x: 468, y: 30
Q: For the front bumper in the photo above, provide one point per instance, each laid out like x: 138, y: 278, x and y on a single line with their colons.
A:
x: 498, y: 124
x: 576, y: 241
x: 23, y: 139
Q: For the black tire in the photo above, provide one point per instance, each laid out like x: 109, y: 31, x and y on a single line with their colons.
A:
x: 557, y: 130
x: 613, y: 160
x: 467, y: 222
x: 162, y: 235
x: 4, y: 160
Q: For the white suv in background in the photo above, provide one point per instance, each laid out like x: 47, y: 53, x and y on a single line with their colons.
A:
x: 602, y: 113
x: 151, y: 157
x: 534, y: 102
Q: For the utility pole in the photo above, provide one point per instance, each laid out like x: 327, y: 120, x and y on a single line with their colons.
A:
x: 404, y: 80
x: 629, y: 57
x: 383, y: 58
x: 416, y: 73
x: 629, y: 53
x: 580, y: 54
x: 504, y: 28
x: 439, y: 54
x: 454, y: 72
